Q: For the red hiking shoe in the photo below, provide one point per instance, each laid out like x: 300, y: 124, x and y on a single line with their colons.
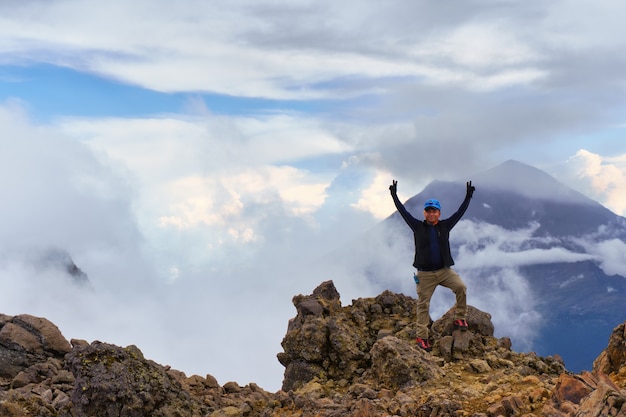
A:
x: 461, y: 324
x: 424, y: 344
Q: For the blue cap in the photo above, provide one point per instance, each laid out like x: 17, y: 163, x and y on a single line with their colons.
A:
x: 432, y: 203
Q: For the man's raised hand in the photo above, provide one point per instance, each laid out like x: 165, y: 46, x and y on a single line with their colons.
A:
x: 393, y: 187
x: 470, y: 188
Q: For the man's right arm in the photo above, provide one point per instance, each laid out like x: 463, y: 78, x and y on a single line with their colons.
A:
x: 410, y: 220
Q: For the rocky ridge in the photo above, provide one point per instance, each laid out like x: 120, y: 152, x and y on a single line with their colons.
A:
x: 356, y: 360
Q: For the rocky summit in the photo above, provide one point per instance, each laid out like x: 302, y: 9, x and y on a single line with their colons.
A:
x: 357, y: 360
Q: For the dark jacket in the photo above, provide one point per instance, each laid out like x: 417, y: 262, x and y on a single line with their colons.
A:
x: 421, y: 234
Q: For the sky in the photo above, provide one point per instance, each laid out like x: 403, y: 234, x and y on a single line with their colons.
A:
x: 196, y: 161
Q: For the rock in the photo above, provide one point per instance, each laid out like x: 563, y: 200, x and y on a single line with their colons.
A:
x: 310, y: 307
x: 479, y: 322
x: 18, y: 338
x: 479, y: 366
x: 34, y: 335
x: 570, y: 389
x: 49, y: 335
x: 327, y: 291
x: 26, y: 340
x: 317, y: 345
x: 229, y: 411
x: 590, y: 393
x: 232, y: 387
x: 505, y: 343
x: 614, y: 356
x: 509, y: 406
x: 397, y: 364
x: 446, y: 346
x: 359, y: 360
x: 605, y: 400
x: 113, y: 381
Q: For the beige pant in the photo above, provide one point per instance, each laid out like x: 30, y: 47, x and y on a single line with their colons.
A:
x: 428, y: 282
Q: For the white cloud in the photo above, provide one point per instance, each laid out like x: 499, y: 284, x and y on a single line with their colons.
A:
x: 611, y: 253
x: 508, y: 297
x: 486, y: 245
x: 170, y: 49
x: 375, y: 199
x: 166, y: 217
x: 602, y: 178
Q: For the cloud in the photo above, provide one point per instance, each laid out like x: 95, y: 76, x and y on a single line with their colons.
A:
x: 264, y: 56
x: 185, y: 234
x: 486, y: 245
x: 396, y: 91
x: 611, y: 253
x: 508, y: 297
x: 57, y: 192
x: 602, y: 178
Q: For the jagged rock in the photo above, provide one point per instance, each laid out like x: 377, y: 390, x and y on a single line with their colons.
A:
x: 614, y: 356
x: 590, y: 393
x: 33, y: 335
x: 397, y: 364
x: 605, y: 400
x: 320, y: 345
x: 26, y: 340
x: 113, y: 381
x: 509, y: 406
x: 355, y: 360
x: 60, y: 260
x: 478, y: 321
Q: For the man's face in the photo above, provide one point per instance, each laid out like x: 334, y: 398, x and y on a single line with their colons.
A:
x: 431, y: 215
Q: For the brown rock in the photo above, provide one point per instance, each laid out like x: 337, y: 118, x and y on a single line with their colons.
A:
x: 16, y: 337
x: 446, y: 345
x: 114, y: 381
x: 356, y: 360
x: 570, y: 389
x: 50, y: 336
x: 479, y: 322
x: 614, y: 356
x: 605, y: 400
x: 34, y: 335
x: 397, y: 364
x: 508, y: 406
x: 505, y: 343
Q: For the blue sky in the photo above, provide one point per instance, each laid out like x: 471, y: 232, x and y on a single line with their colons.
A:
x: 195, y: 161
x: 51, y: 91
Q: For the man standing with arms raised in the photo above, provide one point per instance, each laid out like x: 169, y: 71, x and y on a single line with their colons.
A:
x: 433, y: 260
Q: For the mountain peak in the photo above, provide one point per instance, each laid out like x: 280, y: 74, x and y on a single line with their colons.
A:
x: 519, y: 178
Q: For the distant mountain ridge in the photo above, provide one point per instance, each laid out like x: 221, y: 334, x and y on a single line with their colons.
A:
x: 561, y: 263
x: 513, y: 194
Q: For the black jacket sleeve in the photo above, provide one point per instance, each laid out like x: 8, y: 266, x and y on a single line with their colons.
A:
x: 408, y: 218
x: 454, y: 219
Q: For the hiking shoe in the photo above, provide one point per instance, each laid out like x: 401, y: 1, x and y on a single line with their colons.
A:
x: 461, y: 324
x: 424, y: 344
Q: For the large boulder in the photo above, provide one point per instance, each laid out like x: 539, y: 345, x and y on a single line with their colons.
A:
x: 587, y: 394
x: 613, y: 358
x: 114, y: 381
x: 321, y: 341
x: 478, y: 321
x: 398, y: 364
x: 26, y: 340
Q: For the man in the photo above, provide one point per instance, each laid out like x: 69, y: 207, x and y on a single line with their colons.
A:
x: 433, y: 260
